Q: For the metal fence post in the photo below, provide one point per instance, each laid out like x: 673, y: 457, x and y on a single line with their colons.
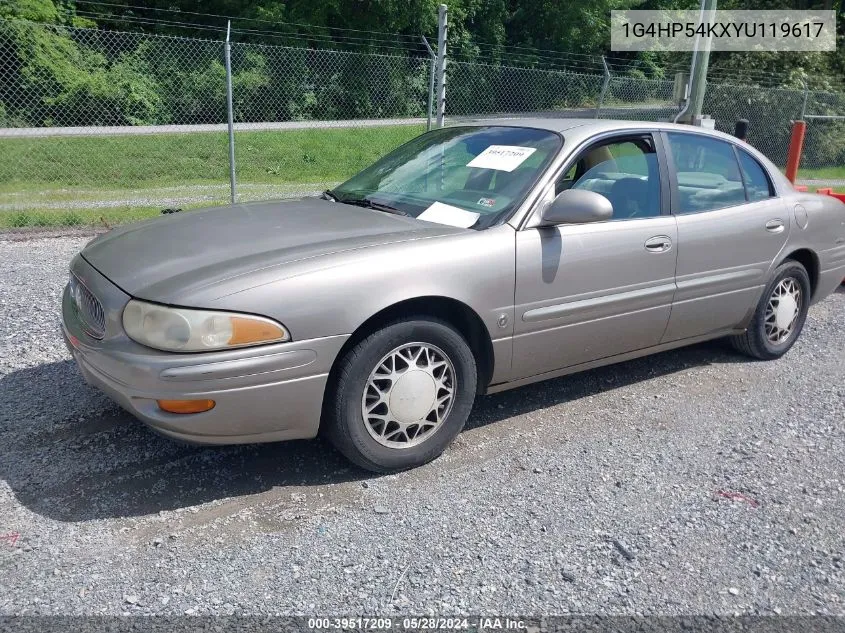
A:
x: 441, y: 64
x: 804, y: 102
x: 231, y: 116
x: 604, y: 86
x: 431, y: 71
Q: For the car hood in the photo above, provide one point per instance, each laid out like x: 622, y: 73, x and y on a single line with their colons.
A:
x: 169, y: 258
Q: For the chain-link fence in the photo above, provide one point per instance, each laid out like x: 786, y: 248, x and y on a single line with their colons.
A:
x: 823, y: 158
x: 638, y: 99
x: 477, y: 89
x: 104, y: 127
x: 101, y: 127
x: 337, y: 111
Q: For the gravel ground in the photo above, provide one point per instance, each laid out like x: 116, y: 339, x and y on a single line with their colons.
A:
x: 694, y: 481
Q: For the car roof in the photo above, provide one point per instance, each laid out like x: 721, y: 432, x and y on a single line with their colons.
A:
x: 588, y: 127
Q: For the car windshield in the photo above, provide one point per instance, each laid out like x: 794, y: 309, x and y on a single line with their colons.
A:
x: 462, y: 176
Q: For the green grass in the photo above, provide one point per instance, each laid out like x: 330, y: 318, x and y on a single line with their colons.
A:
x: 124, y: 178
x: 824, y: 173
x: 160, y: 160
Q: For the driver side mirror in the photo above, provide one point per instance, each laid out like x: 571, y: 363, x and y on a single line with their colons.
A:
x: 576, y: 206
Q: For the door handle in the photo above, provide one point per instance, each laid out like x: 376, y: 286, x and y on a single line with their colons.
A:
x: 775, y: 226
x: 658, y: 244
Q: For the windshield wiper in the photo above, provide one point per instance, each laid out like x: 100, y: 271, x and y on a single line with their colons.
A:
x: 378, y: 206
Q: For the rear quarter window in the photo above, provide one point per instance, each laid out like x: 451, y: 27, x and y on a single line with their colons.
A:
x: 757, y: 183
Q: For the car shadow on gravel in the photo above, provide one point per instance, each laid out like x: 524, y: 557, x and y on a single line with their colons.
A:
x: 588, y: 383
x: 99, y: 462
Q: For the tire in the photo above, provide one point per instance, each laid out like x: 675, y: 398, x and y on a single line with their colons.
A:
x: 760, y: 340
x: 380, y: 376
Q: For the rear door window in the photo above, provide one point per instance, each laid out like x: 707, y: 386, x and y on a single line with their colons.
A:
x: 708, y: 173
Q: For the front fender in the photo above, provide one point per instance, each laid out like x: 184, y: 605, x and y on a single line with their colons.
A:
x: 335, y: 294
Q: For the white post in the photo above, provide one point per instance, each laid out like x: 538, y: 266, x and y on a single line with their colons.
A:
x: 441, y: 64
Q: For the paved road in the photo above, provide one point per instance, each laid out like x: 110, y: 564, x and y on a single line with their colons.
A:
x: 645, y: 111
x: 129, y: 130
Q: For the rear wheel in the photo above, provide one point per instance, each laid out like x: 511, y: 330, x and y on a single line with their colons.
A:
x: 401, y: 395
x: 780, y: 314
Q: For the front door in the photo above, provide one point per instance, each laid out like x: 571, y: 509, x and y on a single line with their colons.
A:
x: 590, y: 291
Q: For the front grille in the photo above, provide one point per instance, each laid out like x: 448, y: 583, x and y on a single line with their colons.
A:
x: 88, y: 309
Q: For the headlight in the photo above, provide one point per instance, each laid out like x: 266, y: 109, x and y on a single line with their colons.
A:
x: 186, y: 330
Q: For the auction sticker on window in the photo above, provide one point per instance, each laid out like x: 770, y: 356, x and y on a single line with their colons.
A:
x: 502, y: 157
x: 447, y: 214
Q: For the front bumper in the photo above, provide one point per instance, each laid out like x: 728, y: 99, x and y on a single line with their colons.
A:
x: 262, y: 394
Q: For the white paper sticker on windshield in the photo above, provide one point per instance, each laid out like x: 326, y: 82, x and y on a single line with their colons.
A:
x: 502, y: 157
x: 447, y: 214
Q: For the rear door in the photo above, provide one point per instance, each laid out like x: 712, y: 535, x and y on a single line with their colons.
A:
x: 731, y: 228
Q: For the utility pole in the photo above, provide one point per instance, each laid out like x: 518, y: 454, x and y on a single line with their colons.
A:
x: 698, y: 69
x: 441, y: 64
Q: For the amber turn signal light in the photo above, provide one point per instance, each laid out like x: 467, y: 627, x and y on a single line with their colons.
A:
x: 185, y: 406
x: 246, y: 331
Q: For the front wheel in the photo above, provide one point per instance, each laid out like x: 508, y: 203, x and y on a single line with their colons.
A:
x: 780, y: 314
x: 401, y: 395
